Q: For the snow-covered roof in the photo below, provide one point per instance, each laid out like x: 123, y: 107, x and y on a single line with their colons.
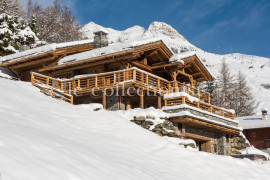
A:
x: 180, y: 56
x: 43, y: 49
x: 253, y: 122
x: 112, y: 48
x: 100, y: 29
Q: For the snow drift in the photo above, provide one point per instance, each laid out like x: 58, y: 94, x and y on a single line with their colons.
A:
x: 43, y: 138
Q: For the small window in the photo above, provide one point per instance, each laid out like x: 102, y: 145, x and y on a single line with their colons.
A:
x: 180, y: 126
x: 253, y: 135
x: 227, y: 138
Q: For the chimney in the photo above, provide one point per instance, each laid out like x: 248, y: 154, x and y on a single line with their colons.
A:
x: 24, y: 45
x: 100, y: 39
x: 264, y: 114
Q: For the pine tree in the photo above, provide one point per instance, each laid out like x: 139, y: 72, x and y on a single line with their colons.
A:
x: 14, y: 31
x: 244, y: 99
x: 223, y: 93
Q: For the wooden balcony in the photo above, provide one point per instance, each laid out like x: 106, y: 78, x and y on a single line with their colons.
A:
x: 129, y: 77
x: 126, y: 77
x: 200, y: 105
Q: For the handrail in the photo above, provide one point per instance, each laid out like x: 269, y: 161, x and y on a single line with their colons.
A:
x: 48, y: 84
x: 110, y: 79
x: 201, y: 105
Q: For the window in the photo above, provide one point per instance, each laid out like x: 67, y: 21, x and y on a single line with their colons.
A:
x: 227, y: 138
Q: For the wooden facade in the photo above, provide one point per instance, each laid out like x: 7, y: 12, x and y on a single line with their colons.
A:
x: 259, y: 137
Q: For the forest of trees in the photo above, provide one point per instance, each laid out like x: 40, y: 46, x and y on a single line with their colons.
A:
x: 53, y: 24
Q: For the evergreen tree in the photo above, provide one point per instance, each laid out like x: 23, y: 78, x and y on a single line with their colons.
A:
x: 223, y: 93
x: 244, y: 99
x: 14, y: 31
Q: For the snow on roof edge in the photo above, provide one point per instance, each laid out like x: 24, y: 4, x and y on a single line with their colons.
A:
x: 112, y: 48
x: 42, y: 49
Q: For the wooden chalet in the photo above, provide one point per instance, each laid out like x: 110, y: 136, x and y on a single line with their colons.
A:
x: 257, y: 130
x: 72, y: 71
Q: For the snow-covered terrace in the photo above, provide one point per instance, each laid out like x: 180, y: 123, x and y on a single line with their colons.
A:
x: 43, y: 49
x: 253, y: 122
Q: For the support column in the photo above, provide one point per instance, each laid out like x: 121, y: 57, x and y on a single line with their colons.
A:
x: 159, y: 102
x: 104, y: 99
x: 183, y: 131
x: 141, y: 99
x: 128, y: 103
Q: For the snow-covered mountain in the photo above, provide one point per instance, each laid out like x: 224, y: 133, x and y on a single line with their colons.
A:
x: 257, y: 69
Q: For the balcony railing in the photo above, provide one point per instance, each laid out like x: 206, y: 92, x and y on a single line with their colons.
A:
x: 200, y: 105
x: 123, y: 77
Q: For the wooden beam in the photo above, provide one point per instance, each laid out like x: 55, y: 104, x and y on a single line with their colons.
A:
x: 140, y: 65
x: 85, y: 63
x: 30, y: 64
x: 159, y: 66
x: 205, y: 125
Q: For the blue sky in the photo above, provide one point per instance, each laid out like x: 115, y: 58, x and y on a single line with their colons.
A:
x: 219, y: 26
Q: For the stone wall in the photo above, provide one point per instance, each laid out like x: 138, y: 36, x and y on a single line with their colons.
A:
x: 113, y: 103
x: 161, y: 127
x: 238, y: 143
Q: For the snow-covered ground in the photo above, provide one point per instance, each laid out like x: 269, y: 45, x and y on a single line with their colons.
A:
x: 44, y: 138
x: 257, y: 69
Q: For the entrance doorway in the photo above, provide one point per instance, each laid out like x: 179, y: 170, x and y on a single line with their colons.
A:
x: 203, y: 143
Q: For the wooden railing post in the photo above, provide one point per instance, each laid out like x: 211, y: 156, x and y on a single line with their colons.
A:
x: 198, y: 104
x: 211, y: 109
x: 32, y: 79
x: 169, y: 88
x: 114, y: 78
x: 51, y: 91
x: 79, y: 83
x: 71, y: 99
x: 158, y: 84
x: 184, y: 99
x: 134, y: 75
x: 96, y: 81
x: 165, y: 102
x: 176, y: 86
x: 48, y: 81
x: 146, y: 79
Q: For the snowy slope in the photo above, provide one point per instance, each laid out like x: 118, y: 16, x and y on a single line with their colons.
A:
x: 43, y: 138
x: 256, y: 76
